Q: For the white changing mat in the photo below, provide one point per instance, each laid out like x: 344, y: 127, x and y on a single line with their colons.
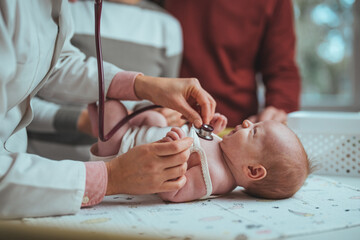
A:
x: 321, y: 205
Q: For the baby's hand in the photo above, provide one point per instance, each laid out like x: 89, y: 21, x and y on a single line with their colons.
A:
x: 174, y: 134
x: 218, y: 122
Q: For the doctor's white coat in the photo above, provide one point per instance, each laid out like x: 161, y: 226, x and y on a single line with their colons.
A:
x: 37, y: 57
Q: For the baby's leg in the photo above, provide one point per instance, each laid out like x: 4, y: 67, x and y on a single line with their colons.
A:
x: 149, y: 118
x: 114, y: 112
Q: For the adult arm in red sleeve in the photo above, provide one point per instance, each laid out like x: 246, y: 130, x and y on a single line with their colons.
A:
x: 276, y: 61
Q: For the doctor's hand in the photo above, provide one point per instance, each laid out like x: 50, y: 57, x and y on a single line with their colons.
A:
x: 184, y: 95
x: 270, y: 113
x: 150, y: 168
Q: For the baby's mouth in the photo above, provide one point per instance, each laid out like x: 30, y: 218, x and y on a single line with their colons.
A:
x: 232, y: 132
x: 237, y: 128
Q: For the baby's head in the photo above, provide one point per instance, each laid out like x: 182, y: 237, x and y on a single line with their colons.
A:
x: 266, y: 158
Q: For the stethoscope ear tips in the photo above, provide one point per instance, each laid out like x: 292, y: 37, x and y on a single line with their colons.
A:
x: 205, y: 132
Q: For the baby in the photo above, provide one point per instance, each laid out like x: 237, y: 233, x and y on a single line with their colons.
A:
x: 265, y: 158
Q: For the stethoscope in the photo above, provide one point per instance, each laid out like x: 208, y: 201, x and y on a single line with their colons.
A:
x: 204, y: 132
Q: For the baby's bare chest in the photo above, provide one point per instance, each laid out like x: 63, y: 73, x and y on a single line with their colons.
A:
x: 217, y: 168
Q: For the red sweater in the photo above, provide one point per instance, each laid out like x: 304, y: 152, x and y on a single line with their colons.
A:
x: 226, y: 42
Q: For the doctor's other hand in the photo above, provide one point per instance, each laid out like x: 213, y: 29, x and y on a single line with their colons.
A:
x: 269, y: 113
x: 130, y: 2
x: 84, y: 125
x: 149, y: 168
x: 184, y: 95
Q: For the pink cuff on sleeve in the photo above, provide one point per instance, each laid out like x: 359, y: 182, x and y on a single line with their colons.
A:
x: 96, y: 183
x: 122, y: 86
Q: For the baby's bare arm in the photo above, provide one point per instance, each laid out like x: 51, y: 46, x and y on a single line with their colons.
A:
x: 193, y: 189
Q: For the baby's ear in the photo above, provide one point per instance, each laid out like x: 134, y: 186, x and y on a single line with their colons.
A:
x: 255, y: 172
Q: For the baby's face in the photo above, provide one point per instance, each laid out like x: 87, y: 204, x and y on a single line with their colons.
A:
x: 248, y: 141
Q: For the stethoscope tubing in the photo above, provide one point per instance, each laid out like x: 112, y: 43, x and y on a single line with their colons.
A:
x: 99, y: 57
x: 205, y: 130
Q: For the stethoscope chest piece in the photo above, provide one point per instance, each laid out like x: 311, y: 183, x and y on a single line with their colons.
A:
x: 205, y: 132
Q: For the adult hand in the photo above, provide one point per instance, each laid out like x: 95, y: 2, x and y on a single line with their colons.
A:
x: 150, y: 168
x: 131, y: 2
x: 84, y: 124
x: 270, y: 113
x: 184, y: 95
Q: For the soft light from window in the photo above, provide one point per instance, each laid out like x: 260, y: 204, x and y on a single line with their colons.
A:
x: 332, y: 49
x: 322, y: 14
